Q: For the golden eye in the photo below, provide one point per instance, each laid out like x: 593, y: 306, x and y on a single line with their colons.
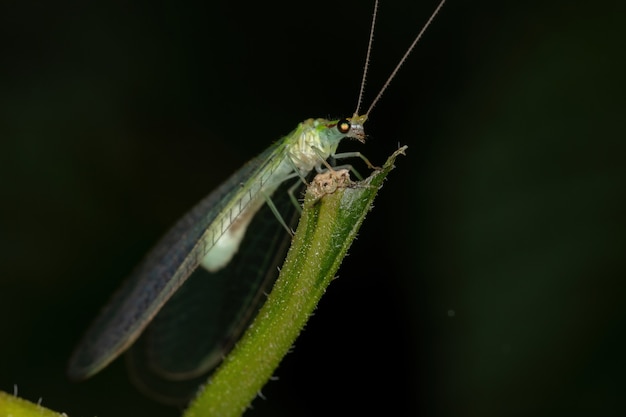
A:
x: 343, y: 126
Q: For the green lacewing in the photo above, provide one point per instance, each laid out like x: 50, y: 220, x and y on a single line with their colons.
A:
x: 224, y: 252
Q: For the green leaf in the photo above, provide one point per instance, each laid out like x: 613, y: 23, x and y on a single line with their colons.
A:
x: 17, y: 407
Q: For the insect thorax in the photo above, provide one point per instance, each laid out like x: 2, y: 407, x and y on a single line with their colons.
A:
x: 314, y: 141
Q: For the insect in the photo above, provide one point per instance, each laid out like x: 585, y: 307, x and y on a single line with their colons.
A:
x: 224, y: 252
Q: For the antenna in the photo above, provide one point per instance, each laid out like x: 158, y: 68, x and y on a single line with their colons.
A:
x: 367, y: 59
x: 402, y: 60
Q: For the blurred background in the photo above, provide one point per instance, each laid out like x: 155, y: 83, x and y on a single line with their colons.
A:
x: 487, y: 281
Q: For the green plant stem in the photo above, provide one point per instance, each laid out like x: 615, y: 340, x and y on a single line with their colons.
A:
x: 328, y: 225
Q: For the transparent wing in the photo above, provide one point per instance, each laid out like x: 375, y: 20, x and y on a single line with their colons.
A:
x: 202, y: 321
x: 156, y: 279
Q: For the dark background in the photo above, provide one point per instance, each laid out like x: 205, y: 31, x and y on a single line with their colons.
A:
x: 487, y: 281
